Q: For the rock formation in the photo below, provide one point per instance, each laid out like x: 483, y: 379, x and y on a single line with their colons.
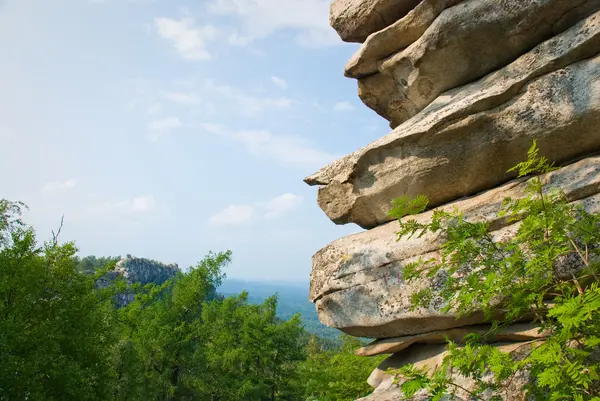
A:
x: 430, y: 356
x: 466, y: 85
x: 138, y: 270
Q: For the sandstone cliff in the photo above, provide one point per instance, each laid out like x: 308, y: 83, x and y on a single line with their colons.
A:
x: 466, y: 85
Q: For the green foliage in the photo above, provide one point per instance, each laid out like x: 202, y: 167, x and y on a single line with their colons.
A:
x: 63, y: 338
x: 291, y: 300
x: 534, y: 164
x: 548, y: 269
x: 253, y: 352
x: 403, y: 206
x: 336, y: 375
x: 55, y: 327
x: 92, y: 264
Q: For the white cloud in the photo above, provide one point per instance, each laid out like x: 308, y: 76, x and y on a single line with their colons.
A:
x: 183, y: 98
x: 281, y: 205
x: 279, y: 82
x: 343, y: 106
x: 232, y: 215
x: 143, y: 204
x: 246, y: 104
x: 287, y: 150
x: 188, y: 39
x: 271, y: 209
x: 261, y: 18
x: 214, y: 96
x: 55, y: 186
x: 162, y: 127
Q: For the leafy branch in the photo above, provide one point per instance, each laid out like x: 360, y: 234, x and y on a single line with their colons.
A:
x: 543, y: 266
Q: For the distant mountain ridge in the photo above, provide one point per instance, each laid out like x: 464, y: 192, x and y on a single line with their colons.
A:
x: 292, y: 296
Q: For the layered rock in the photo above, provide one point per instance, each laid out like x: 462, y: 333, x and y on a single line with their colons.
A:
x: 465, y: 42
x: 468, y: 86
x: 515, y: 333
x: 357, y: 281
x: 395, y: 37
x: 429, y: 349
x: 430, y: 357
x: 355, y: 20
x: 484, y: 126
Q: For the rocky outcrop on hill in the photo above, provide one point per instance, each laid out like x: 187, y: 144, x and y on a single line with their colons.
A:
x: 138, y: 270
x: 467, y: 85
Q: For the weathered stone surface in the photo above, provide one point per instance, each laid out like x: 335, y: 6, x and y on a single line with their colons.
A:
x: 460, y: 46
x: 354, y: 20
x: 485, y: 126
x: 145, y: 271
x: 514, y: 333
x: 356, y: 281
x: 430, y: 357
x: 138, y: 270
x: 395, y: 37
x: 423, y: 66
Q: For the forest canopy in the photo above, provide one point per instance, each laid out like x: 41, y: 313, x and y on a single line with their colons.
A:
x: 64, y: 338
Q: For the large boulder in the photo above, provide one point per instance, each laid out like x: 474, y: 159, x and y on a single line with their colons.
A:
x: 356, y: 281
x: 395, y: 37
x: 460, y: 46
x: 466, y: 140
x: 354, y: 20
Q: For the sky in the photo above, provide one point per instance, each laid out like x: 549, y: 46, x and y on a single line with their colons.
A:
x: 166, y: 129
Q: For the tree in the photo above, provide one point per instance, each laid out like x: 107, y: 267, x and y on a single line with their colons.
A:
x: 62, y: 336
x: 548, y: 269
x: 180, y: 341
x: 56, y: 329
x: 91, y: 264
x: 251, y: 353
x: 164, y: 336
x: 337, y: 375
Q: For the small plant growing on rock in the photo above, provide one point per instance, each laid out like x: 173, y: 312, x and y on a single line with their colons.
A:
x: 546, y: 269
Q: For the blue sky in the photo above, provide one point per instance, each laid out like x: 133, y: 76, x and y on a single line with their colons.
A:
x: 166, y: 128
